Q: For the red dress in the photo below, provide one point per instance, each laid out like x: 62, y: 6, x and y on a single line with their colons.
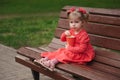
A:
x: 81, y: 53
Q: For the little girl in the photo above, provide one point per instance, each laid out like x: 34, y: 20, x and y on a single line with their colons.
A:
x: 82, y: 51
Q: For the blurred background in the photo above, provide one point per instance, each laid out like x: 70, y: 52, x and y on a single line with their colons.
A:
x: 32, y: 22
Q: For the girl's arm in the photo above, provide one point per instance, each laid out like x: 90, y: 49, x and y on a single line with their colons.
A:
x: 63, y: 37
x: 82, y: 46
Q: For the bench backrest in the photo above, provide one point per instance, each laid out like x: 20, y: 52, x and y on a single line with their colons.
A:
x: 104, y: 31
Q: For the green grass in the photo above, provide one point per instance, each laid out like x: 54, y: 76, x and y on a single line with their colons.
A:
x: 38, y: 6
x: 27, y: 31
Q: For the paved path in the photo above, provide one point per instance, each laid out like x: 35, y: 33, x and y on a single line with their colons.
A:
x: 10, y: 70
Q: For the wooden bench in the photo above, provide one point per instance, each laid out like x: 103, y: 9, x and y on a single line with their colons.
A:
x: 104, y: 31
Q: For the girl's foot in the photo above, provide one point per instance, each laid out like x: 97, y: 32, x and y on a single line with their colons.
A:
x: 41, y: 60
x: 50, y: 64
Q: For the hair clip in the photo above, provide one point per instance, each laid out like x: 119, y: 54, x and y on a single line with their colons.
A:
x: 82, y: 10
x: 71, y: 10
x: 79, y: 10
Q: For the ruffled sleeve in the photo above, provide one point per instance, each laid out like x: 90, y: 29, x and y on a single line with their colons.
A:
x: 63, y: 37
x: 82, y: 44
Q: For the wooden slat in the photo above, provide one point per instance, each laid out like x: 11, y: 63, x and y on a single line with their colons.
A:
x: 102, y: 29
x: 104, y: 19
x: 58, y: 41
x: 56, y: 46
x: 105, y: 68
x: 86, y: 71
x: 98, y: 18
x: 47, y: 49
x: 108, y: 53
x: 95, y: 28
x: 58, y: 32
x: 97, y: 40
x: 63, y: 23
x: 31, y: 53
x: 110, y: 12
x: 108, y: 61
x: 105, y: 42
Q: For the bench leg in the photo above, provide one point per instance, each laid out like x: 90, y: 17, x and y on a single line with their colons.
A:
x: 35, y: 74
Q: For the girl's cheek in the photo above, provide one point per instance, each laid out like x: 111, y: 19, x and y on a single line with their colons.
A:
x: 77, y: 26
x: 71, y: 26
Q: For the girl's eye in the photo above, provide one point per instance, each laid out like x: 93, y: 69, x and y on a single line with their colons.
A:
x: 71, y: 21
x: 76, y: 21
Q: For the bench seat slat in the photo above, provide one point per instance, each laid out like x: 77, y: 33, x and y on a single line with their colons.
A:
x: 87, y: 72
x: 107, y: 61
x: 108, y: 54
x: 55, y: 46
x: 48, y: 48
x: 29, y: 52
x: 105, y: 68
x: 58, y: 41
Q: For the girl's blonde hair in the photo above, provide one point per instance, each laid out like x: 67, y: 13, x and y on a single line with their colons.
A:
x: 78, y: 13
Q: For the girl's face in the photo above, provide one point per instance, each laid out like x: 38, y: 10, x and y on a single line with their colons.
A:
x: 75, y: 24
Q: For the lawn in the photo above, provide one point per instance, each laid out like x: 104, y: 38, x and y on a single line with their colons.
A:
x: 27, y: 31
x: 30, y: 23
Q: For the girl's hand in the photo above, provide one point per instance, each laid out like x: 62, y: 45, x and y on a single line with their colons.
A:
x: 67, y: 33
x: 66, y: 46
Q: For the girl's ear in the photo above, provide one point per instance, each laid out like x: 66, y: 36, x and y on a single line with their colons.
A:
x: 83, y: 22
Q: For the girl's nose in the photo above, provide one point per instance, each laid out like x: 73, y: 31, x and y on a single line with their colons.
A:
x: 73, y: 24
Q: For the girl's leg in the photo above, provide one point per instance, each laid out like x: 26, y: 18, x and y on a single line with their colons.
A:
x: 54, y: 62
